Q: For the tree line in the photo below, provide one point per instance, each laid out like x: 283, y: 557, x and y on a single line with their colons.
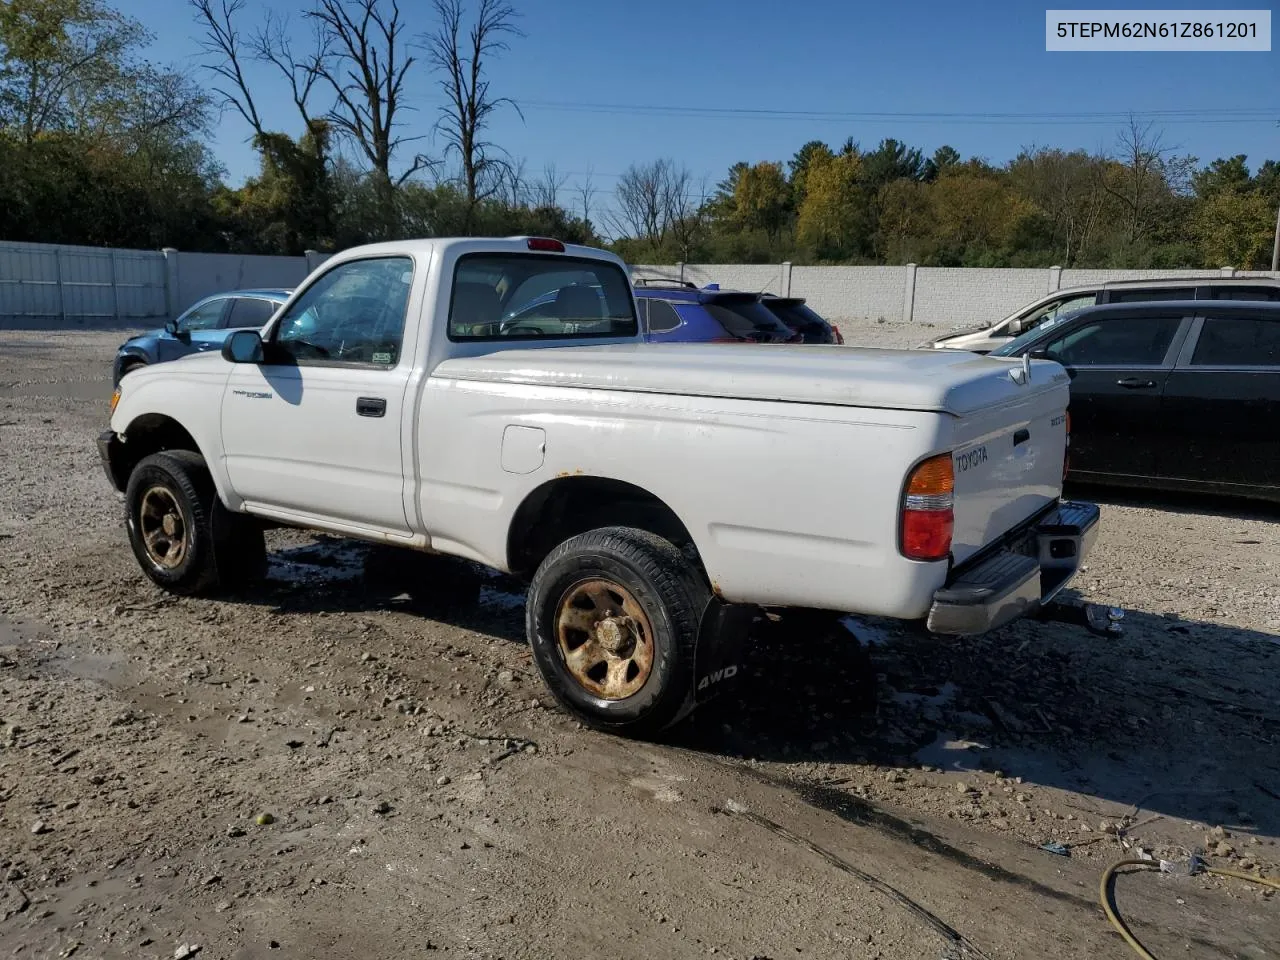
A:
x: 100, y: 146
x: 1139, y: 206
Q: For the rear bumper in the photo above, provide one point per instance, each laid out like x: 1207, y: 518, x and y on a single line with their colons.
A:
x: 1023, y: 574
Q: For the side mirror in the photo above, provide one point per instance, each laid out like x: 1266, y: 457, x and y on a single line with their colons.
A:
x: 171, y: 327
x: 243, y: 346
x: 1039, y: 353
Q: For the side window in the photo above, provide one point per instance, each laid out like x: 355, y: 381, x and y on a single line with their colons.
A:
x: 1146, y: 296
x: 207, y: 316
x: 662, y: 317
x: 1056, y: 310
x: 1238, y: 342
x: 1246, y: 293
x: 352, y: 314
x: 249, y: 312
x: 1121, y: 341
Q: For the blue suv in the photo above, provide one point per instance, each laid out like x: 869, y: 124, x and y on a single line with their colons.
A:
x: 203, y: 326
x: 675, y: 311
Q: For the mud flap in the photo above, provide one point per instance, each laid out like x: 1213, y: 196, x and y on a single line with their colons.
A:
x: 722, y: 648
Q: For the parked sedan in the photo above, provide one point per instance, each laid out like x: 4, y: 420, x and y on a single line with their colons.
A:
x: 1177, y: 395
x: 202, y: 327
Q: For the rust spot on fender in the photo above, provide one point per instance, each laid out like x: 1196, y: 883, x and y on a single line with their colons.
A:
x: 715, y: 588
x: 569, y: 473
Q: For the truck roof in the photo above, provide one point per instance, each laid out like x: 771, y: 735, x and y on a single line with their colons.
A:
x: 431, y: 246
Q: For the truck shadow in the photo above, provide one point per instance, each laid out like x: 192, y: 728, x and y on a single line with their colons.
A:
x: 1177, y: 717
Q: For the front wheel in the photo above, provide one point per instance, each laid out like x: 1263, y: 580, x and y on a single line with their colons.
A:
x: 613, y: 618
x: 184, y: 539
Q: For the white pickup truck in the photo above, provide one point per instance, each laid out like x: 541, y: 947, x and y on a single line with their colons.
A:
x: 492, y: 399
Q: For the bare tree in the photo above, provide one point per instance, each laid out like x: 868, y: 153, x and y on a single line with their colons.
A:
x: 222, y: 42
x: 366, y: 59
x: 546, y: 192
x: 657, y: 201
x: 470, y: 105
x: 586, y: 193
x: 686, y: 211
x: 273, y: 44
x: 1149, y: 174
x: 642, y: 202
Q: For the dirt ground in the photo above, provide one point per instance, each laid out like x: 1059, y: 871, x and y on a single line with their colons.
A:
x: 338, y: 765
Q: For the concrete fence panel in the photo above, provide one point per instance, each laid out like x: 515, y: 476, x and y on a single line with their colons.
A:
x: 853, y: 293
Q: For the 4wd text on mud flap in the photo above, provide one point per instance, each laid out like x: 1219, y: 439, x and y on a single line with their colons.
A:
x: 716, y: 676
x: 971, y: 458
x: 252, y: 395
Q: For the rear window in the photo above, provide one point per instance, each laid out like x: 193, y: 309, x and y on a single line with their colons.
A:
x: 514, y: 296
x: 1238, y: 342
x: 797, y: 315
x: 746, y: 317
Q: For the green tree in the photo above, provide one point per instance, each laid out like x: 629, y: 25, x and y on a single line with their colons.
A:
x: 762, y: 200
x: 1235, y: 227
x: 831, y: 219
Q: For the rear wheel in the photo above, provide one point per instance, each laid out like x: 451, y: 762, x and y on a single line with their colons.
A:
x: 613, y: 618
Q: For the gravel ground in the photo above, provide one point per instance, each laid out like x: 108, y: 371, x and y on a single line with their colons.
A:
x: 342, y: 765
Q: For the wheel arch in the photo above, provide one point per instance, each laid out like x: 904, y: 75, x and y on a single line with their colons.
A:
x: 567, y: 506
x: 146, y: 434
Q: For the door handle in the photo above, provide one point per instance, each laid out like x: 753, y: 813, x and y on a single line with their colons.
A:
x: 371, y: 406
x: 1133, y: 383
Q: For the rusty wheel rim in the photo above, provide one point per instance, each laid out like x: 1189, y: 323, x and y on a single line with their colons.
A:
x: 605, y: 638
x: 164, y: 533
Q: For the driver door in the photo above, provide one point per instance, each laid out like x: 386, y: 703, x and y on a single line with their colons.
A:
x: 1118, y: 367
x: 315, y: 430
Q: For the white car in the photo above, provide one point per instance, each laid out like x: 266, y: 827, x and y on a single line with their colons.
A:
x: 644, y: 490
x: 1062, y: 303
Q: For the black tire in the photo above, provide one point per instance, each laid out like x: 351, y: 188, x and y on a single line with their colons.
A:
x: 204, y: 545
x: 670, y: 592
x: 130, y: 366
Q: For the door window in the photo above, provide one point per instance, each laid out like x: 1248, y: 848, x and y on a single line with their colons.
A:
x: 206, y: 316
x: 352, y: 314
x: 1119, y: 341
x: 249, y: 312
x: 1055, y: 311
x: 1238, y: 342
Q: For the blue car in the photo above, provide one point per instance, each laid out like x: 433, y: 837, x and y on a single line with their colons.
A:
x: 202, y: 327
x: 672, y: 311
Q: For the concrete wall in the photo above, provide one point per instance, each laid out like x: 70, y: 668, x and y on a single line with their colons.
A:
x: 52, y: 285
x: 43, y: 285
x: 942, y: 296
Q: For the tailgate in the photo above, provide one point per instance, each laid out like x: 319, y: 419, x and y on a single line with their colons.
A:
x: 1008, y: 465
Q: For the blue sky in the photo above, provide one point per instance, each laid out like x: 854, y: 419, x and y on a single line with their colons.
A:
x: 811, y: 56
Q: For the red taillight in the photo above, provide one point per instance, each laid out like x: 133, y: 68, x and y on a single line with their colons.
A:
x: 547, y: 244
x: 839, y: 335
x: 928, y: 514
